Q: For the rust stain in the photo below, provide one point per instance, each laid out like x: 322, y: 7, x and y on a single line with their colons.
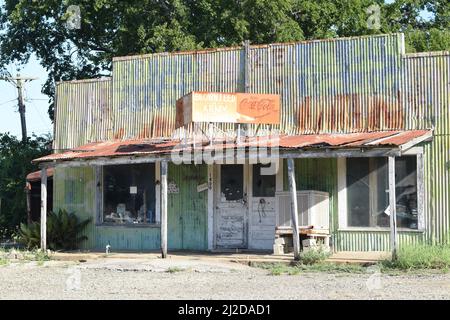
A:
x: 119, y: 148
x: 119, y: 134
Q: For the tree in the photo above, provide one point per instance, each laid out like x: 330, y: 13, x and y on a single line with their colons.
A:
x: 121, y: 27
x: 15, y: 164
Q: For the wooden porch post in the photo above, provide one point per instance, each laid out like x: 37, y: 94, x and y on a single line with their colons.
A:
x: 28, y: 195
x: 164, y: 209
x: 392, y: 208
x: 294, y: 208
x: 44, y: 209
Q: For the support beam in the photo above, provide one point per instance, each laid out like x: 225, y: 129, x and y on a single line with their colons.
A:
x: 44, y: 209
x: 164, y: 209
x: 28, y: 194
x: 294, y: 208
x: 392, y: 208
x: 210, y: 207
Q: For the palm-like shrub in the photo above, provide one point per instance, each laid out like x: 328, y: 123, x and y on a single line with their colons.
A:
x: 64, y: 231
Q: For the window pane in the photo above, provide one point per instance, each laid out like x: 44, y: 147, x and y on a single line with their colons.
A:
x: 232, y: 181
x: 358, y: 192
x: 406, y: 192
x: 368, y: 192
x: 263, y: 185
x: 129, y: 194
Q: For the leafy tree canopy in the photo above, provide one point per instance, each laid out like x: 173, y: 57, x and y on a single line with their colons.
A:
x: 15, y: 164
x: 121, y: 27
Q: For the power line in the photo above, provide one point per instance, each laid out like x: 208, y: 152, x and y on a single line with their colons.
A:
x: 6, y: 102
x: 18, y: 82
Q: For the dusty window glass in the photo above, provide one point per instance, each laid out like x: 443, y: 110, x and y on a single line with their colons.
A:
x: 232, y: 182
x: 263, y: 185
x: 129, y: 194
x: 368, y: 192
x: 406, y: 192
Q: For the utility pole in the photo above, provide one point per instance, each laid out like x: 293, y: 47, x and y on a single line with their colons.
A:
x: 18, y: 83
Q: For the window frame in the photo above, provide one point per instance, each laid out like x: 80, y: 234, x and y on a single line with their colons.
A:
x: 342, y: 196
x: 99, y: 199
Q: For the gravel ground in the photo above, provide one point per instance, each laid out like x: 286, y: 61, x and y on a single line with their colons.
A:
x: 196, y: 279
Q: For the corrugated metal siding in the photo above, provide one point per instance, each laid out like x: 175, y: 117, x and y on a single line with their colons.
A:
x: 339, y: 85
x: 372, y: 240
x: 426, y: 86
x: 319, y: 175
x: 127, y: 239
x: 74, y: 191
x: 145, y: 89
x: 188, y: 209
x: 426, y: 101
x: 437, y: 188
x: 427, y: 97
x: 83, y: 113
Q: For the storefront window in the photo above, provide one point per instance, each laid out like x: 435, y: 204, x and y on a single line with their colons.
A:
x: 232, y: 182
x: 263, y: 185
x: 368, y: 192
x: 129, y: 194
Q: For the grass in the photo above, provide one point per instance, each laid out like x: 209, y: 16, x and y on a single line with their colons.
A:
x: 420, y: 257
x: 174, y: 270
x: 277, y: 269
x: 23, y: 255
x: 417, y: 258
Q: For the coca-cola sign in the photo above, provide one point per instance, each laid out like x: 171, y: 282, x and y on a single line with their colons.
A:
x: 223, y: 107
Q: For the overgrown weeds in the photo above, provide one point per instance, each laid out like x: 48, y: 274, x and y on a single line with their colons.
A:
x: 420, y: 257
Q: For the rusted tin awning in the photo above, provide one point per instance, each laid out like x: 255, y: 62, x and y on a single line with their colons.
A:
x: 301, y: 144
x: 36, y: 176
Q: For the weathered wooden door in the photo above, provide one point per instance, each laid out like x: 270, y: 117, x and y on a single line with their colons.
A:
x: 231, y: 207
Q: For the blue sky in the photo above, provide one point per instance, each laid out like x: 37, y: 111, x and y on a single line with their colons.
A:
x: 36, y: 103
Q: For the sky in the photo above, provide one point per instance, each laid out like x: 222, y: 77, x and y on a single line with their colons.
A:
x: 36, y: 103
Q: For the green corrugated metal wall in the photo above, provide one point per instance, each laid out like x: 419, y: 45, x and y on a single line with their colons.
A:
x: 188, y: 209
x: 74, y: 191
x: 319, y: 175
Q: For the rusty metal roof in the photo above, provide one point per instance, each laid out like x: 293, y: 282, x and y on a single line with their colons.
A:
x: 140, y: 147
x: 36, y: 176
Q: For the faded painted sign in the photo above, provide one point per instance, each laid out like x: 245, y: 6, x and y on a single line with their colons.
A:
x: 202, y: 187
x: 172, y: 187
x: 222, y: 107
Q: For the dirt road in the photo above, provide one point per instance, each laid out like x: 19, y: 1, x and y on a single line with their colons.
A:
x: 191, y: 279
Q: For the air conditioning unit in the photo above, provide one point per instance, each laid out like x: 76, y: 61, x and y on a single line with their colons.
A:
x: 313, y: 209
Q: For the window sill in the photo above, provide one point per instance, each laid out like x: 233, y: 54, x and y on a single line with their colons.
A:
x: 129, y: 226
x: 369, y: 229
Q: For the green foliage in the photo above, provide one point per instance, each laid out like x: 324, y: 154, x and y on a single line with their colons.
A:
x: 15, y: 164
x: 421, y: 256
x: 63, y: 231
x: 116, y: 28
x: 175, y: 270
x: 313, y: 256
x: 277, y: 269
x: 30, y: 235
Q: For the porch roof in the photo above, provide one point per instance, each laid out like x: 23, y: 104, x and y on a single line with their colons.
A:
x: 306, y: 145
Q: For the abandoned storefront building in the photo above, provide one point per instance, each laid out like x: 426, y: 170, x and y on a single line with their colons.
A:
x: 205, y: 150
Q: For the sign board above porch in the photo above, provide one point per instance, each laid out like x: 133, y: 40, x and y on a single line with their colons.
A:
x: 223, y: 107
